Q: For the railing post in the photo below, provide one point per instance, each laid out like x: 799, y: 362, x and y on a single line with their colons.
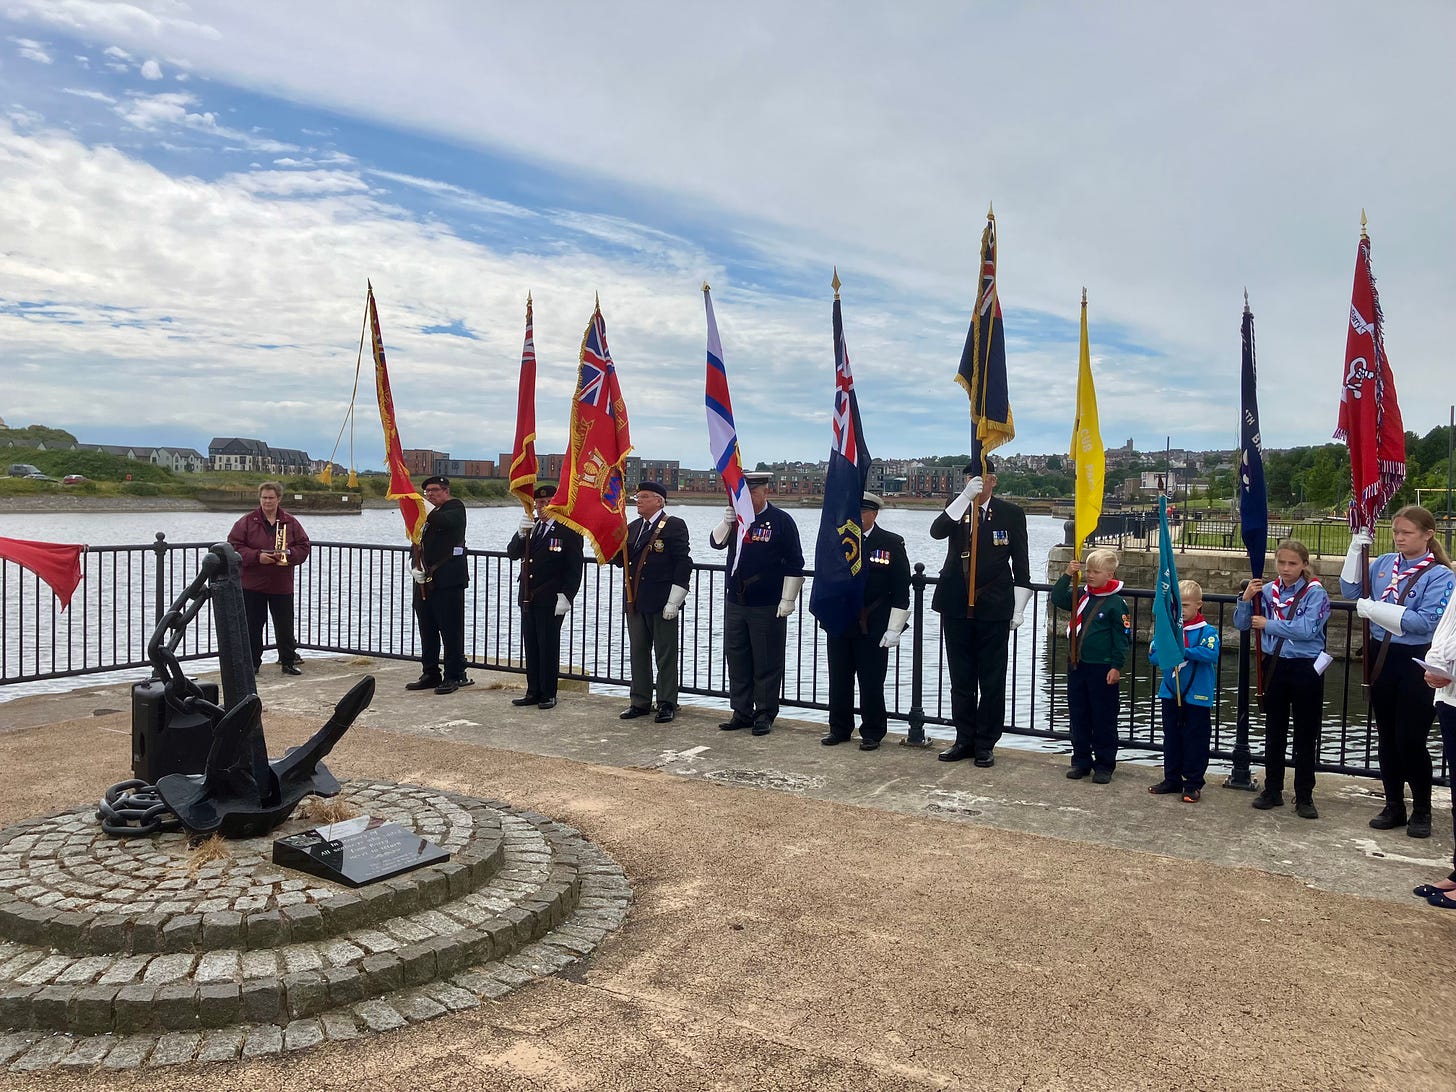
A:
x: 1241, y: 777
x: 916, y: 736
x: 159, y: 589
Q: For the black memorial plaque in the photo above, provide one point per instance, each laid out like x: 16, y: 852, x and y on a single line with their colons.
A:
x: 357, y: 851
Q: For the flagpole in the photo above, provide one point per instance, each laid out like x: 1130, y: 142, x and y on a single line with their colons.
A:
x: 1072, y: 641
x: 976, y: 446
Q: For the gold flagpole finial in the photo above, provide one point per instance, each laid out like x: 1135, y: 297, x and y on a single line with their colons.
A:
x: 528, y: 298
x: 1246, y: 297
x: 1084, y: 295
x: 705, y: 286
x: 597, y: 296
x: 1363, y: 221
x: 834, y: 284
x: 990, y: 211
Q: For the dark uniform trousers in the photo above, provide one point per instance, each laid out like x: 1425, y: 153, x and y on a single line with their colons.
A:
x: 1092, y: 707
x: 1294, y: 691
x: 541, y: 636
x: 441, y: 618
x: 1446, y: 714
x: 257, y: 606
x: 653, y: 641
x: 754, y: 639
x: 857, y: 656
x: 1403, y: 706
x: 1187, y: 729
x: 975, y: 651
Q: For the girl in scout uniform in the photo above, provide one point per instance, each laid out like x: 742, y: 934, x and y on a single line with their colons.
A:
x: 1293, y: 612
x: 1187, y: 691
x: 1409, y: 588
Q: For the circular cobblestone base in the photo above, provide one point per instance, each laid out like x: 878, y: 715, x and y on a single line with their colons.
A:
x: 114, y: 953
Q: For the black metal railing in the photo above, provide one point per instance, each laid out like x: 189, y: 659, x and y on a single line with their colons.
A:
x: 355, y: 599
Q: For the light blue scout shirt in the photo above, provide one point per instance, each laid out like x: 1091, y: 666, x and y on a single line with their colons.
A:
x: 1424, y: 604
x: 1304, y: 633
x: 1199, y: 679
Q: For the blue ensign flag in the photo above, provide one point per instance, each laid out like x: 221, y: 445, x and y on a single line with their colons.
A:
x: 1168, y: 603
x: 837, y: 597
x: 1253, y: 497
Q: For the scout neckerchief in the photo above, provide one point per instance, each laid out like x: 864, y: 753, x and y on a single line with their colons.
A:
x: 636, y: 576
x: 1189, y: 626
x: 1077, y: 624
x: 1410, y: 572
x: 1409, y: 575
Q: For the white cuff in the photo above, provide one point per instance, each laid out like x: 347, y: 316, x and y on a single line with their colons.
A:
x: 676, y: 596
x: 1385, y: 615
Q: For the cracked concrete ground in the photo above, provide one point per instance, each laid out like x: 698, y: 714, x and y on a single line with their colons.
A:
x: 824, y: 918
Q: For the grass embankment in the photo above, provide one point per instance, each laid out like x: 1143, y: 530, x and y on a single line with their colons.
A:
x: 113, y: 476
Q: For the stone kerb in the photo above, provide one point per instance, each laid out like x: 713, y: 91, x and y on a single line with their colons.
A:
x: 534, y: 897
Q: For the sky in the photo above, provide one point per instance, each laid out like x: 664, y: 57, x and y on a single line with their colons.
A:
x: 193, y: 195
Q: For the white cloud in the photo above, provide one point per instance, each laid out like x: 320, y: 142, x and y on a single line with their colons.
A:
x: 87, y: 93
x: 32, y: 50
x: 151, y: 70
x: 170, y: 108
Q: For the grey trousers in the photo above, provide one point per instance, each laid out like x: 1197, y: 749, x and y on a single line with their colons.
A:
x: 753, y: 639
x: 654, y: 645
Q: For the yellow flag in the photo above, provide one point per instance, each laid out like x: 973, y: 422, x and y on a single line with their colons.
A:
x: 1087, y: 450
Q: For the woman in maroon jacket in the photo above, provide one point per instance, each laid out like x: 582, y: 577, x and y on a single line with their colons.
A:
x: 271, y: 543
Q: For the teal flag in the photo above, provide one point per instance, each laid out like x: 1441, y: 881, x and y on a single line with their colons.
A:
x: 1167, y: 604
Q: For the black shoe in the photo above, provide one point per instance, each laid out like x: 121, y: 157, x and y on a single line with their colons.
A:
x: 1392, y: 816
x: 832, y: 740
x: 1266, y: 800
x: 546, y: 703
x: 1419, y: 825
x: 1101, y: 777
x: 665, y: 713
x: 1163, y: 787
x: 869, y: 745
x: 955, y: 753
x: 985, y: 759
x: 449, y: 686
x: 734, y: 725
x: 463, y: 682
x: 290, y: 669
x: 1305, y: 809
x: 762, y: 729
x: 1076, y: 773
x: 526, y: 699
x: 632, y: 712
x: 424, y: 682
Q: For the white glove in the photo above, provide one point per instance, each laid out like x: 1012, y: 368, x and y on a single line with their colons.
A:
x: 1385, y: 615
x: 528, y: 525
x: 418, y: 575
x: 724, y: 529
x: 789, y: 597
x: 563, y: 605
x: 898, y: 617
x: 1023, y: 597
x: 957, y: 508
x: 674, y: 603
x: 1350, y: 574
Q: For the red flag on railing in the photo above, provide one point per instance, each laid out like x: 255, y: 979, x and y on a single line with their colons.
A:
x: 591, y: 498
x: 1369, y: 413
x: 523, y: 454
x: 57, y: 564
x: 412, y: 506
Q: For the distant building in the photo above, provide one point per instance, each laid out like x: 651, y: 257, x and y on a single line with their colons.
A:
x: 179, y: 460
x: 420, y: 462
x: 246, y: 453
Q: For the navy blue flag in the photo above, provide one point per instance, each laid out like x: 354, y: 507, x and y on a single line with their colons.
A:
x: 982, y: 371
x: 1253, y: 498
x: 837, y: 596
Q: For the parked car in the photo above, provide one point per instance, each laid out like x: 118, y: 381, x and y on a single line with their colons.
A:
x: 25, y: 470
x: 74, y: 479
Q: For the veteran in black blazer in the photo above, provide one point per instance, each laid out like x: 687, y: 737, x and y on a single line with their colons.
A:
x: 976, y: 638
x: 550, y: 556
x: 441, y: 575
x: 658, y: 567
x: 863, y: 652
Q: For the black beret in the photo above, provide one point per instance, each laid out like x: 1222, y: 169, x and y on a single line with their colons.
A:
x: 653, y: 487
x: 544, y: 491
x: 972, y: 469
x: 436, y: 479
